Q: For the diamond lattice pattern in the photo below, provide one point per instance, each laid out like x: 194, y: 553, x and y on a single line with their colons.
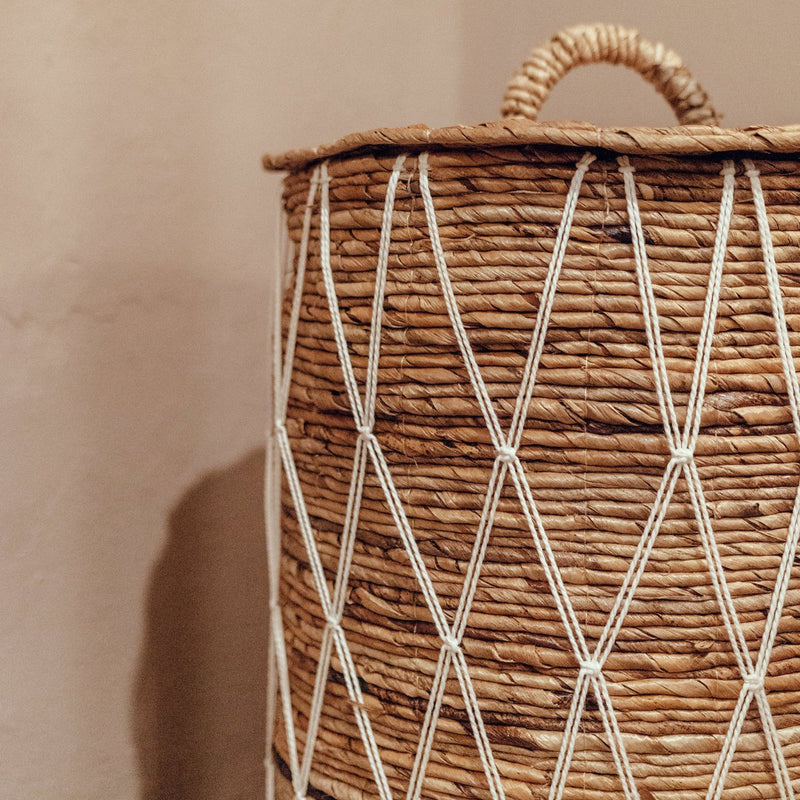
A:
x: 452, y: 672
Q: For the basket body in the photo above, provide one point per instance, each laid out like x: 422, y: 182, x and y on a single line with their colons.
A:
x: 701, y: 593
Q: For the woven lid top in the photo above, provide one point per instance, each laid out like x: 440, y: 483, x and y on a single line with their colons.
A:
x: 698, y: 132
x: 677, y: 140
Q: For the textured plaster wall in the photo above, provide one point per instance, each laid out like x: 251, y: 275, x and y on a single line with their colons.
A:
x: 136, y: 231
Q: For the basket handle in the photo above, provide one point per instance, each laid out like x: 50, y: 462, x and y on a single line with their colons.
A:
x: 613, y: 44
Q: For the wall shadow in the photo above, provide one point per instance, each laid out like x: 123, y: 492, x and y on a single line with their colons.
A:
x: 199, y: 695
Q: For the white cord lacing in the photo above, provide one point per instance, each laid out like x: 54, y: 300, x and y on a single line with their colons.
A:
x: 680, y: 440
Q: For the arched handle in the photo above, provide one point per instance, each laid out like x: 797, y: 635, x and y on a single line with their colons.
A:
x: 612, y: 44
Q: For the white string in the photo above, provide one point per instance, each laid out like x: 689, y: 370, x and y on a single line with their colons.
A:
x: 332, y: 608
x: 753, y: 686
x: 775, y: 295
x: 363, y: 420
x: 505, y: 447
x: 356, y: 480
x: 589, y: 669
x: 278, y: 675
x: 506, y: 454
x: 270, y: 528
x: 282, y: 389
x: 753, y: 677
x: 506, y: 450
x: 682, y: 454
x: 681, y: 442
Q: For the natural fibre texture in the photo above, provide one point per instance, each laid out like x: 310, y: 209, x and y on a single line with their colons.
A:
x: 593, y: 452
x: 613, y: 44
x: 532, y: 476
x: 681, y: 139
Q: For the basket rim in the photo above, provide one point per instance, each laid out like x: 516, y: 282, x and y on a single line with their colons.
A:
x: 689, y: 140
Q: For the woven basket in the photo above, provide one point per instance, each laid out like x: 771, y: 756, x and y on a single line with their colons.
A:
x: 532, y: 487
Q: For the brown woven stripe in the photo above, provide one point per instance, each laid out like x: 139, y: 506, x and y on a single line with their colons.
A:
x: 685, y: 140
x: 593, y: 450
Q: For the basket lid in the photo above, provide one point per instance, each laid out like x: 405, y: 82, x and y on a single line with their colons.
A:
x: 698, y: 132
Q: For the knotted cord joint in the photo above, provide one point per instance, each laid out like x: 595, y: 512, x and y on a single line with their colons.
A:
x: 754, y: 682
x: 625, y: 166
x: 505, y: 454
x: 450, y: 643
x: 750, y: 169
x: 591, y: 668
x: 332, y: 620
x: 682, y: 455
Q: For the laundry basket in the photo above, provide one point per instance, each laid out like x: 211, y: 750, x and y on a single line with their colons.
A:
x: 532, y: 480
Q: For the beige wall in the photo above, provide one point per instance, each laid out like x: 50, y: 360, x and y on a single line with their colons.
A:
x: 136, y: 228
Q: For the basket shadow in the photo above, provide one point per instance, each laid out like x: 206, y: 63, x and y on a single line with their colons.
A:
x: 198, y: 699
